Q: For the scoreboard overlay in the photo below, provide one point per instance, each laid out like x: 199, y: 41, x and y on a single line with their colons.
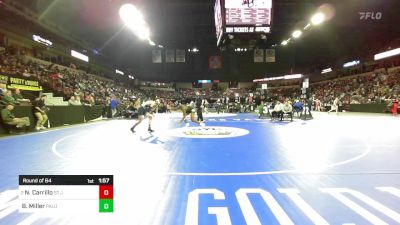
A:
x: 66, y: 193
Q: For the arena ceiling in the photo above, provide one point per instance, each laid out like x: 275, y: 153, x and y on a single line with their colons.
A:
x: 190, y: 23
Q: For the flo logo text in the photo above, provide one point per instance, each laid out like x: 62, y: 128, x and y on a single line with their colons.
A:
x: 370, y: 15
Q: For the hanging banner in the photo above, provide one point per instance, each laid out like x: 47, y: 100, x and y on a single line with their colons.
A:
x: 215, y: 62
x: 270, y: 55
x: 170, y: 56
x: 259, y: 55
x: 3, y: 79
x: 156, y: 56
x: 306, y: 83
x: 264, y: 86
x: 180, y: 56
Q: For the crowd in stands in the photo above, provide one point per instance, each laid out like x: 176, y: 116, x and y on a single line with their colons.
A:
x: 362, y: 89
x: 81, y: 88
x: 372, y: 88
x: 90, y: 89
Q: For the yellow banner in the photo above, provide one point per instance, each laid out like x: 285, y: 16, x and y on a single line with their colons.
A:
x: 3, y: 79
x: 25, y: 87
x: 20, y: 81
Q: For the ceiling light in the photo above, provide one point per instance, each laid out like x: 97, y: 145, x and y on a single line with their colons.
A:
x: 307, y: 26
x: 144, y: 33
x: 131, y: 16
x: 318, y: 18
x: 387, y: 54
x: 134, y: 20
x: 352, y: 63
x: 296, y: 34
x: 326, y: 70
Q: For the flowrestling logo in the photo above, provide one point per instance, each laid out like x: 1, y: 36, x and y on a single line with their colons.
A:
x: 208, y: 132
x: 370, y: 15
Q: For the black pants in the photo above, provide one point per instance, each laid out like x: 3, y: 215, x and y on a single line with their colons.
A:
x: 200, y: 114
x: 289, y: 113
x: 276, y: 114
x: 309, y: 112
x: 104, y: 111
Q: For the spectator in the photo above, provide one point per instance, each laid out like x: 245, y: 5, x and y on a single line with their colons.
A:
x: 26, y: 73
x: 8, y: 98
x: 91, y: 101
x: 8, y: 118
x: 395, y: 106
x: 40, y: 112
x: 74, y: 100
x: 168, y: 107
x: 317, y: 105
x: 3, y: 89
x: 18, y: 96
x: 113, y: 106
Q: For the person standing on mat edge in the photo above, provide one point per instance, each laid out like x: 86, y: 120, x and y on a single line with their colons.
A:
x: 335, y: 106
x: 395, y: 106
x: 40, y: 112
x: 113, y: 106
x: 310, y: 102
x: 199, y: 102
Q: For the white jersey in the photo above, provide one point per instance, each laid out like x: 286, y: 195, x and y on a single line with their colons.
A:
x: 149, y: 103
x: 336, y: 102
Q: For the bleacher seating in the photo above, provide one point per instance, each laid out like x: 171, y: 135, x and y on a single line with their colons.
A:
x: 55, y: 101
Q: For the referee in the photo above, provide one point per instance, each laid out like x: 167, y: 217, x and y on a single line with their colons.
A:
x: 199, y: 103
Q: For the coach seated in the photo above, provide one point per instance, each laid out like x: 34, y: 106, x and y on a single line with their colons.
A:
x: 287, y: 110
x: 8, y: 118
x: 277, y: 111
x: 298, y: 107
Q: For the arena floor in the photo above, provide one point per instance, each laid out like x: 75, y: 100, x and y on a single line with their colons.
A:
x: 237, y: 170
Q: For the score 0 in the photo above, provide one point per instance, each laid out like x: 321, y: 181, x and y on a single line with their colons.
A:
x: 106, y: 203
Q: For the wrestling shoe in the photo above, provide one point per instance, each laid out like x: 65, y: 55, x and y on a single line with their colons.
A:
x: 150, y: 130
x: 132, y: 130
